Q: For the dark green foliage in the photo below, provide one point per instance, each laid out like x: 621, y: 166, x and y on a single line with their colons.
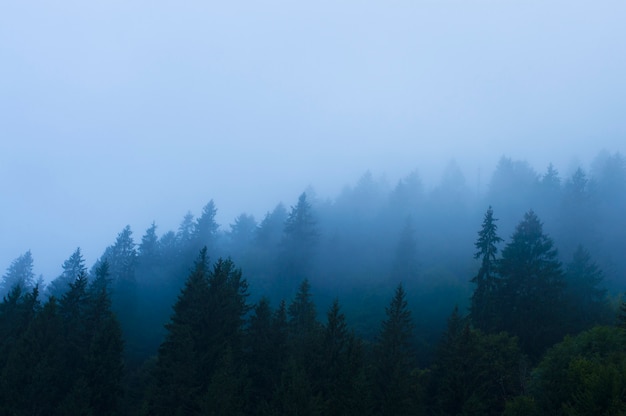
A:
x: 394, y: 360
x: 31, y: 377
x: 17, y: 310
x: 342, y: 377
x: 68, y: 360
x: 263, y: 356
x: 205, y: 328
x: 483, y: 307
x: 587, y: 300
x: 474, y: 373
x: 180, y: 383
x: 304, y: 333
x: 531, y: 293
x: 583, y: 375
x: 295, y: 394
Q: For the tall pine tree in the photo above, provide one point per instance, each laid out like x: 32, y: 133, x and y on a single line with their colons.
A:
x: 482, y: 309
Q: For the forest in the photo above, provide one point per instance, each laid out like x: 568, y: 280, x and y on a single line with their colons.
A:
x: 388, y: 299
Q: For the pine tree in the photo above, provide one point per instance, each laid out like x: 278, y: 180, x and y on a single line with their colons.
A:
x: 31, y: 380
x: 298, y: 245
x: 473, y: 373
x: 482, y: 309
x: 72, y: 267
x: 531, y: 294
x: 179, y: 381
x: 148, y: 253
x: 342, y: 380
x: 394, y: 359
x: 205, y: 328
x: 104, y: 357
x: 261, y: 359
x: 586, y: 297
x: 20, y: 273
x: 205, y: 228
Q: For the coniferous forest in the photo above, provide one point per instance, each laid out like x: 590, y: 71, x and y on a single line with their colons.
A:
x: 389, y: 299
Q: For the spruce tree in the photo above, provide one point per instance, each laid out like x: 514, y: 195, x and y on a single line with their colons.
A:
x: 72, y: 267
x: 482, y: 309
x: 531, y: 293
x: 300, y: 237
x: 179, y: 381
x: 394, y: 359
x: 20, y: 273
x: 587, y: 299
x: 203, y: 341
x: 342, y: 381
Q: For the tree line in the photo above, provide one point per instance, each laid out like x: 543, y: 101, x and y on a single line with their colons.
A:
x: 159, y: 328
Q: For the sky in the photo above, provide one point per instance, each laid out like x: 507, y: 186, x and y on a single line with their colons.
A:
x: 127, y: 112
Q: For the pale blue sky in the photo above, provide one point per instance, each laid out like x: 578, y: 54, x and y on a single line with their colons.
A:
x: 124, y: 112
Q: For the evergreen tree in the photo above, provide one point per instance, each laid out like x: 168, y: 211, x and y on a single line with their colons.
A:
x: 205, y: 328
x: 300, y: 238
x: 531, y: 294
x: 482, y: 309
x: 304, y: 329
x: 586, y: 298
x: 205, y: 228
x: 149, y: 248
x: 31, y: 379
x: 394, y: 360
x: 20, y: 273
x: 262, y: 360
x: 342, y: 380
x: 104, y: 358
x: 179, y: 381
x: 72, y: 267
x: 186, y: 230
x: 473, y: 373
x: 583, y: 375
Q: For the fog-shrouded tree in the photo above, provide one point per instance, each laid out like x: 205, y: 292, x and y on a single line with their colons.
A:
x: 19, y: 273
x: 72, y: 267
x: 240, y: 240
x: 205, y: 229
x: 578, y: 216
x: 531, y: 291
x: 512, y: 187
x: 483, y: 311
x: 122, y: 259
x: 148, y: 250
x: 298, y: 244
x: 587, y: 299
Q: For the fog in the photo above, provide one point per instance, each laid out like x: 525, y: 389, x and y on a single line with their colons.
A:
x: 116, y: 113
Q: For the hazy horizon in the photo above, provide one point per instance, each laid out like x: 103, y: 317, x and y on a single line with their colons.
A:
x: 116, y: 113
